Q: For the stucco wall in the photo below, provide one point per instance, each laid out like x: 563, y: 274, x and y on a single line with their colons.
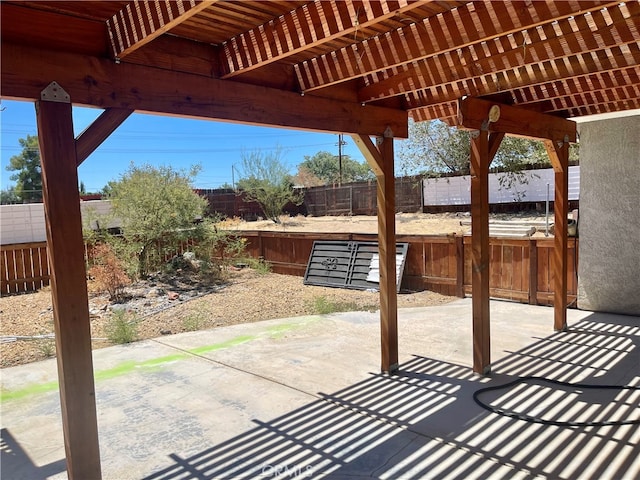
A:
x: 609, y: 219
x: 26, y: 224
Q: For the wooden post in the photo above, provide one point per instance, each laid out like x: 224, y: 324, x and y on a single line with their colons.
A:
x: 559, y: 155
x: 385, y: 195
x: 381, y: 161
x: 68, y: 283
x: 459, y: 266
x: 533, y: 272
x: 480, y: 251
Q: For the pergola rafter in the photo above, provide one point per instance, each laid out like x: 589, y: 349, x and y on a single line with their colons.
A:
x: 478, y: 68
x: 138, y: 23
x: 471, y: 23
x: 293, y: 32
x: 620, y: 87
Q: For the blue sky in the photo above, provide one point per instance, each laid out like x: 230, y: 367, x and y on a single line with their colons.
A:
x: 178, y: 142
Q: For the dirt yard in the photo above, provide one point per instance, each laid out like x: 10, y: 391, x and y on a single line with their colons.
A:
x: 166, y: 306
x: 406, y: 223
x: 246, y: 297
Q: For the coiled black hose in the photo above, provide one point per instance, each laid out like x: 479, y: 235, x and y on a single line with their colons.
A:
x: 529, y: 418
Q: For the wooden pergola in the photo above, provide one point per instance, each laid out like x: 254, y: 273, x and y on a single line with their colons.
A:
x: 354, y: 67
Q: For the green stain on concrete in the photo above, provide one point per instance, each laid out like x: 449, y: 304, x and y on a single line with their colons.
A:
x: 27, y: 391
x: 219, y: 346
x: 124, y: 368
x: 278, y: 331
x: 127, y: 367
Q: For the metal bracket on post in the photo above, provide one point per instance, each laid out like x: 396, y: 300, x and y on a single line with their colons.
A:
x: 388, y: 133
x: 563, y: 141
x: 55, y: 93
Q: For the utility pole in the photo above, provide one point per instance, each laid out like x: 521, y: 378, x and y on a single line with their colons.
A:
x: 340, y: 143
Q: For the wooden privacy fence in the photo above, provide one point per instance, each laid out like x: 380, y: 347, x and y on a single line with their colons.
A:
x: 360, y: 198
x: 25, y: 267
x: 520, y: 269
x: 350, y: 199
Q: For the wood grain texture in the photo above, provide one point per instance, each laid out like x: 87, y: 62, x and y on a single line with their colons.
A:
x: 96, y: 133
x: 480, y: 252
x: 381, y: 160
x: 474, y: 112
x: 102, y: 83
x: 559, y: 156
x: 69, y: 289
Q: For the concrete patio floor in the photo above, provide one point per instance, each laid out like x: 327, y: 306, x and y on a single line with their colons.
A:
x: 302, y: 398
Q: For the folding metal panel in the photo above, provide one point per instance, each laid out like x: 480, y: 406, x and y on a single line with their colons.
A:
x: 347, y: 264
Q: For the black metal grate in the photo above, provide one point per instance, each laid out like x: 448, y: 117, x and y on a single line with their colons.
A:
x: 349, y: 264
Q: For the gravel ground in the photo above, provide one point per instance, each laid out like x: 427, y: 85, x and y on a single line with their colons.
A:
x: 246, y: 296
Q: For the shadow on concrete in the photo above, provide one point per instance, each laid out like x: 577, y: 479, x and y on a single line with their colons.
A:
x: 423, y: 423
x: 13, y: 458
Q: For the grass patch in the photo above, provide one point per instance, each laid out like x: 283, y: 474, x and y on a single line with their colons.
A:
x: 322, y: 305
x: 196, y: 320
x: 47, y: 348
x: 258, y: 264
x: 122, y: 327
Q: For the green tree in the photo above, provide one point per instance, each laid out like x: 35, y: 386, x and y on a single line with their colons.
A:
x: 434, y: 149
x: 8, y: 196
x: 267, y: 181
x: 157, y: 207
x: 324, y: 166
x: 28, y: 178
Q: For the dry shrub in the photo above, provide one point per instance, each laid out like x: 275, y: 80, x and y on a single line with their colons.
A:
x: 108, y: 272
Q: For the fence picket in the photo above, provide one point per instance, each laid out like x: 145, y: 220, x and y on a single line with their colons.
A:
x: 520, y: 268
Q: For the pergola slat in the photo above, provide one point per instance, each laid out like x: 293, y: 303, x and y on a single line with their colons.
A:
x: 434, y: 36
x: 465, y: 69
x: 334, y: 20
x: 138, y: 23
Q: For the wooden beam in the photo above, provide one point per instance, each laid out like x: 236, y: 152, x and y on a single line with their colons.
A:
x: 293, y: 33
x: 51, y: 29
x: 381, y: 159
x: 471, y: 23
x: 138, y: 23
x: 68, y: 288
x: 102, y: 83
x: 99, y: 131
x: 495, y: 140
x: 559, y: 155
x: 370, y: 153
x: 473, y: 113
